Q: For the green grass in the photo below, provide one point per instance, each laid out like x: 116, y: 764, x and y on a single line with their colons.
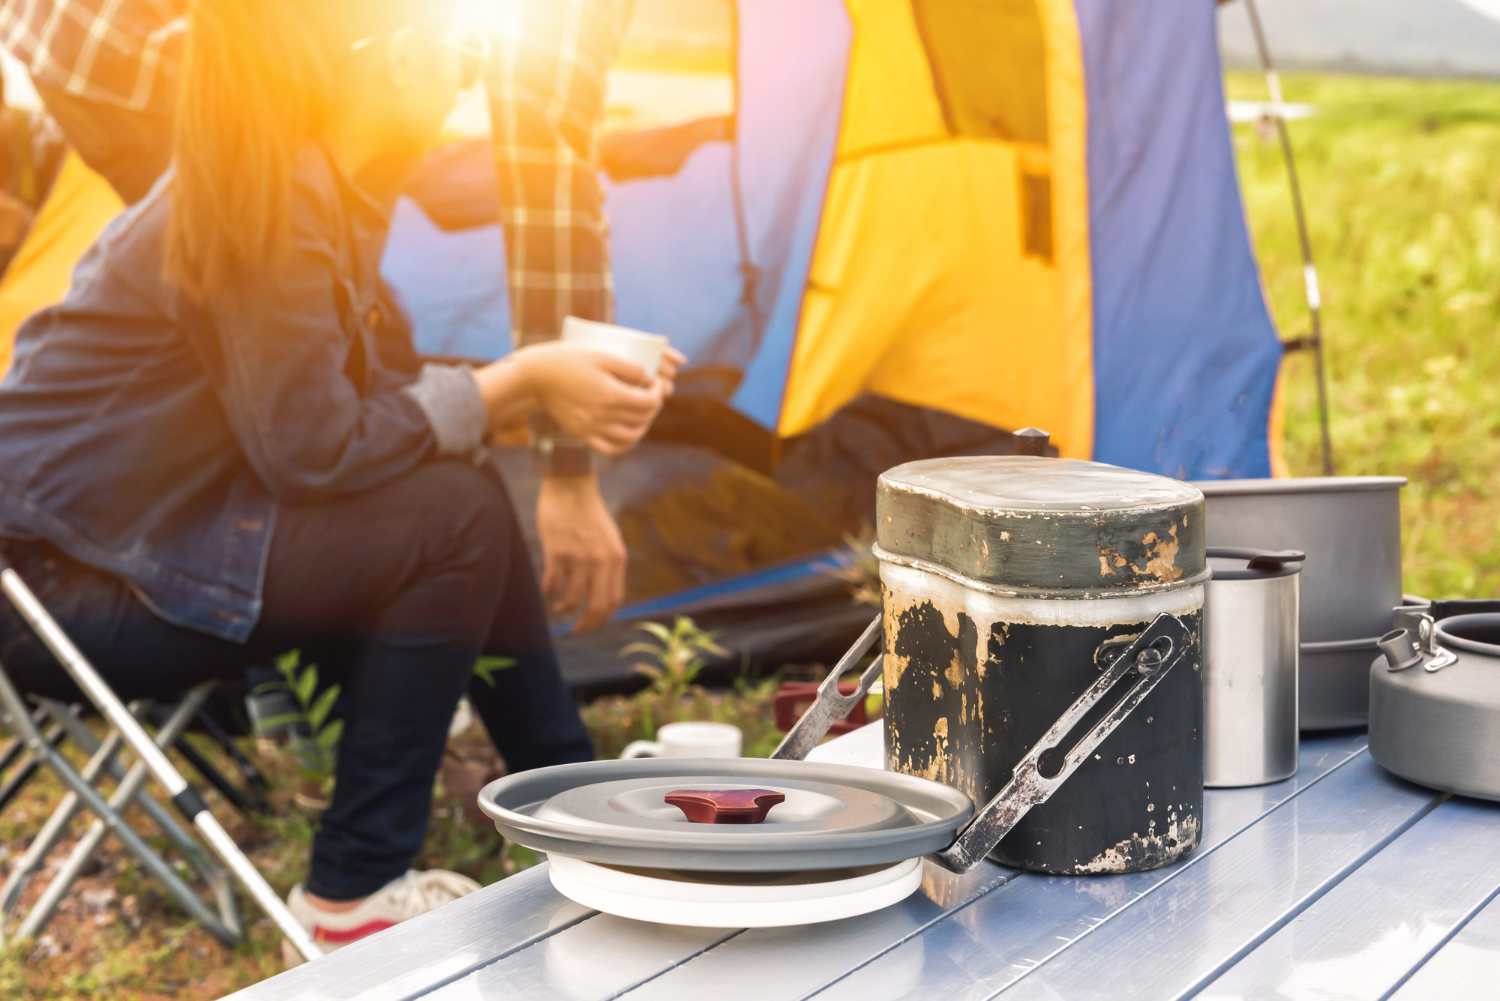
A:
x: 1403, y: 194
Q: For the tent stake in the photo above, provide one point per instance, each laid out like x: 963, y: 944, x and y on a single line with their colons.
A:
x: 1309, y: 267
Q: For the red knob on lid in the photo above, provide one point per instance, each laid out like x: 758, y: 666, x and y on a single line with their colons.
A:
x: 724, y: 806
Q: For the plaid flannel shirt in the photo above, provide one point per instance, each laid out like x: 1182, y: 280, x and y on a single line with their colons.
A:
x: 120, y: 52
x: 548, y: 67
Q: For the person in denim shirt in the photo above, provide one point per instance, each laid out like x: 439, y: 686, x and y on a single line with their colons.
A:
x: 221, y: 445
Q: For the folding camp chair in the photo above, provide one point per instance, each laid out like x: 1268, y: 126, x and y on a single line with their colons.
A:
x: 124, y: 729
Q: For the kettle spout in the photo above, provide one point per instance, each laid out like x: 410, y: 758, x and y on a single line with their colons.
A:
x: 1400, y: 650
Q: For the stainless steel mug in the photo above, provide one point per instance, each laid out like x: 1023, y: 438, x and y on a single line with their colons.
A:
x: 1251, y: 635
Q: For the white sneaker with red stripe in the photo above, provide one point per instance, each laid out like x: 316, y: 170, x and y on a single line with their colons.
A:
x: 412, y: 894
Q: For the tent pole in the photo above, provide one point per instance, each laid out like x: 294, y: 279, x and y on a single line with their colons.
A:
x: 1309, y: 267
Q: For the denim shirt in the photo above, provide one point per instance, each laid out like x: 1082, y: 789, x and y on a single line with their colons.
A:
x: 155, y: 437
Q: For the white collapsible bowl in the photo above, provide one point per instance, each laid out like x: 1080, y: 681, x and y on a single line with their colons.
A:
x: 682, y: 899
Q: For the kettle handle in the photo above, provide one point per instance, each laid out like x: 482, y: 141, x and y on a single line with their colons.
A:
x: 1151, y: 655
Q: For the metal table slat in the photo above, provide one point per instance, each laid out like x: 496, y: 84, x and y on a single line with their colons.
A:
x: 1020, y: 925
x: 1363, y: 938
x: 597, y: 957
x: 409, y: 960
x: 770, y: 964
x: 1213, y: 912
x: 601, y: 956
x: 1467, y: 965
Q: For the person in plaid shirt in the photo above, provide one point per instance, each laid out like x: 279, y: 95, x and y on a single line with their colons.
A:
x: 106, y: 71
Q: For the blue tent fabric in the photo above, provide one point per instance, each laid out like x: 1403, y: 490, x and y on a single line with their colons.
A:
x: 793, y: 61
x: 452, y: 284
x: 1185, y: 354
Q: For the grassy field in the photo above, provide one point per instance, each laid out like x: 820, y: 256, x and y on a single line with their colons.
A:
x: 1404, y: 193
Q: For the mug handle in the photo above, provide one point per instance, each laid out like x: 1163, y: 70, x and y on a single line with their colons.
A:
x: 642, y: 749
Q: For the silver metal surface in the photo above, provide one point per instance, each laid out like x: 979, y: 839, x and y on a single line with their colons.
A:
x: 1028, y: 787
x: 1440, y: 727
x: 1420, y: 870
x: 831, y: 705
x: 1333, y: 686
x: 929, y: 815
x: 1350, y: 529
x: 1250, y: 681
x: 154, y: 758
x: 1027, y: 526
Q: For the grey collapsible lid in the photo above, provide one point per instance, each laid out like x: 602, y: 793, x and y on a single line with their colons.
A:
x: 834, y: 816
x: 1040, y: 527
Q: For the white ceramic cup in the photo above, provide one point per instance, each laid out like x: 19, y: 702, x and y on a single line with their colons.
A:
x: 645, y: 350
x: 689, y: 740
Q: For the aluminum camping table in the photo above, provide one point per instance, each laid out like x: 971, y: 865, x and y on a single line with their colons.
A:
x: 1340, y: 882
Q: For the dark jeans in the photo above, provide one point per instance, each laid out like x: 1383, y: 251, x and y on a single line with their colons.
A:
x: 393, y: 593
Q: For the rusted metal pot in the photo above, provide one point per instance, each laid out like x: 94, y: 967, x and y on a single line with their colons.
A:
x: 1008, y: 581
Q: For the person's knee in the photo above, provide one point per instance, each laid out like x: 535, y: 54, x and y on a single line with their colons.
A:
x: 468, y: 511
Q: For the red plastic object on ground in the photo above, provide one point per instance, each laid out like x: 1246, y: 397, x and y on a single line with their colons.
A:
x: 794, y: 698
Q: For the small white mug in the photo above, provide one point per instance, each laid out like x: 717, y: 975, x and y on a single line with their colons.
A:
x: 645, y: 350
x: 689, y: 740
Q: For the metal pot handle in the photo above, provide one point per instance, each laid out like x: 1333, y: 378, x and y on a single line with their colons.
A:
x: 1151, y: 654
x: 1028, y: 787
x: 831, y: 705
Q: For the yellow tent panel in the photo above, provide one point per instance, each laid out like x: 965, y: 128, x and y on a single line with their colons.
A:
x: 79, y: 206
x: 952, y: 265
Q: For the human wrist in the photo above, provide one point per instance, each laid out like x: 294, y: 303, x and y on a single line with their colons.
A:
x: 507, y: 387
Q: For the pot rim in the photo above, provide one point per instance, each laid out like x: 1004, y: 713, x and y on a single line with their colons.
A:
x: 1341, y: 646
x: 1299, y: 485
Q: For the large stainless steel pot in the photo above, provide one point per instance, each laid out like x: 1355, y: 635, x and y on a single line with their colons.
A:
x: 1350, y: 529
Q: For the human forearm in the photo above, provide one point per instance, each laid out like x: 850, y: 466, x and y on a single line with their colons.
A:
x: 508, y: 393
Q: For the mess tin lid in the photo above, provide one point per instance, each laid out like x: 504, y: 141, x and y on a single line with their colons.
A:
x: 1039, y: 527
x: 827, y: 817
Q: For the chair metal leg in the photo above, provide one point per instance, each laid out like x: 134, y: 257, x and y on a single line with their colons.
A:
x: 55, y: 827
x: 28, y: 766
x: 97, y: 805
x: 17, y: 746
x: 213, y: 776
x: 159, y: 814
x: 225, y: 925
x: 256, y: 783
x: 187, y: 801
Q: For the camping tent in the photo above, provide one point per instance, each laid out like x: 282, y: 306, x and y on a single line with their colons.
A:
x: 976, y: 215
x: 78, y: 207
x: 1018, y: 212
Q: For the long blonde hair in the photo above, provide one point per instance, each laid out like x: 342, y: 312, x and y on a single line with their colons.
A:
x: 254, y: 89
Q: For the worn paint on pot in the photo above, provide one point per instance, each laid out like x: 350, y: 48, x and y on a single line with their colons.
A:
x: 1003, y: 579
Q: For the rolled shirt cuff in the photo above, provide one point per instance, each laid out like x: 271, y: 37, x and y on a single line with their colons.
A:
x: 449, y: 397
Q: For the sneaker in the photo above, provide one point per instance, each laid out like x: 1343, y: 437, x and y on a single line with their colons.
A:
x: 412, y: 894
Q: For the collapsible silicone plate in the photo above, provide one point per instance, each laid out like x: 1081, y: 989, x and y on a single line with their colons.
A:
x: 699, y: 900
x: 833, y: 817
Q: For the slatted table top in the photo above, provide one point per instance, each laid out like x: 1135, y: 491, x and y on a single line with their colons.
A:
x: 1342, y: 882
